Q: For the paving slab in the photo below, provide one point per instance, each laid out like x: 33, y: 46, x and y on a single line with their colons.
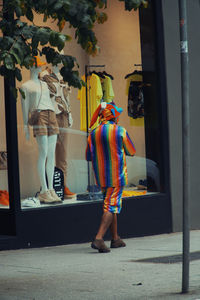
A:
x: 147, y: 268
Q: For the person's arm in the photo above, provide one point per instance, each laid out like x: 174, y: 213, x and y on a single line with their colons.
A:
x: 128, y: 145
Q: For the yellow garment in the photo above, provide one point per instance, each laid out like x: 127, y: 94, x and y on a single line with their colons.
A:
x: 108, y: 93
x: 95, y: 93
x: 133, y: 193
x: 136, y: 77
x: 137, y: 122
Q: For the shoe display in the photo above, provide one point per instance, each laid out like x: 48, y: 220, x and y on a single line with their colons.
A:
x: 4, y: 198
x: 100, y: 245
x: 55, y: 196
x: 117, y: 243
x: 68, y: 193
x: 31, y: 202
x: 46, y: 198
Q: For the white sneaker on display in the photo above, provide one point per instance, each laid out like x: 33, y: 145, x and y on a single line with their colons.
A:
x: 31, y: 202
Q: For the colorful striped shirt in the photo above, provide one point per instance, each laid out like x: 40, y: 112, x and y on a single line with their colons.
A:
x: 107, y: 148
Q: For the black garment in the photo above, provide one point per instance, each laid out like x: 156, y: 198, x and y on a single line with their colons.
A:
x: 135, y: 100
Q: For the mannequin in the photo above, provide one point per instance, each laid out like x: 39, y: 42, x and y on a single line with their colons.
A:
x: 45, y: 130
x: 60, y: 91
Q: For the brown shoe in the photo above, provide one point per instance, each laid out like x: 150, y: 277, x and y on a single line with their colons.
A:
x: 117, y: 243
x: 100, y: 245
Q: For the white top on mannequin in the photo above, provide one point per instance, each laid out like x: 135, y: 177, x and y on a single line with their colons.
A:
x: 37, y: 96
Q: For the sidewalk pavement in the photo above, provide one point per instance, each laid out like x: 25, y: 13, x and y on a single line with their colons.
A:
x: 80, y: 272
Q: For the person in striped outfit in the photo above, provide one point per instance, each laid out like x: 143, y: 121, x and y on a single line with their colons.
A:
x: 107, y: 147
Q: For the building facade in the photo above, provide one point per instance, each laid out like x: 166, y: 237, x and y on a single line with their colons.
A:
x: 138, y: 68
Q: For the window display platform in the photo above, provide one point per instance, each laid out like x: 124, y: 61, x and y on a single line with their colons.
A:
x: 84, y: 198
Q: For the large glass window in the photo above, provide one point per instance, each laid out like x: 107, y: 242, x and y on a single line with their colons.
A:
x: 4, y: 195
x: 54, y: 158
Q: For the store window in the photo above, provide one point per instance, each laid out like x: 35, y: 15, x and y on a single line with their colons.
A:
x: 55, y: 159
x: 4, y: 195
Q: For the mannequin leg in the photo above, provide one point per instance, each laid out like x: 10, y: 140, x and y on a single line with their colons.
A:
x: 61, y: 153
x: 42, y: 148
x: 61, y: 161
x: 50, y: 165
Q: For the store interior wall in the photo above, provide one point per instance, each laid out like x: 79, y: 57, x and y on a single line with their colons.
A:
x: 173, y: 72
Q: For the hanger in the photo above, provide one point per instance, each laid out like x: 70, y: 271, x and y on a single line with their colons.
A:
x: 133, y: 73
x: 97, y: 73
x: 109, y: 75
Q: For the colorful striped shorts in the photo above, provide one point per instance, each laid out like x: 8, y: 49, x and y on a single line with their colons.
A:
x: 112, y: 199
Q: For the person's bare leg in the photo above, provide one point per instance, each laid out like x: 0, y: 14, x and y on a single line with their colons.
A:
x: 106, y: 220
x: 113, y: 228
x: 116, y: 242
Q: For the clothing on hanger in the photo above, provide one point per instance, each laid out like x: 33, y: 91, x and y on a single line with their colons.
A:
x: 108, y: 93
x: 94, y: 96
x: 136, y: 100
x: 134, y: 91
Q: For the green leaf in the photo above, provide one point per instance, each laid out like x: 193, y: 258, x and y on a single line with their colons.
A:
x: 18, y: 74
x: 22, y: 93
x: 28, y: 61
x: 28, y: 31
x: 17, y: 52
x: 9, y: 63
x: 58, y: 5
x: 43, y: 35
x: 7, y: 42
x: 68, y: 61
x: 18, y: 11
x: 132, y: 4
x: 61, y: 41
x: 53, y: 39
x: 29, y: 14
x: 72, y: 77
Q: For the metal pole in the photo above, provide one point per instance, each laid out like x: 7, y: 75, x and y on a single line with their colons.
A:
x: 185, y: 143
